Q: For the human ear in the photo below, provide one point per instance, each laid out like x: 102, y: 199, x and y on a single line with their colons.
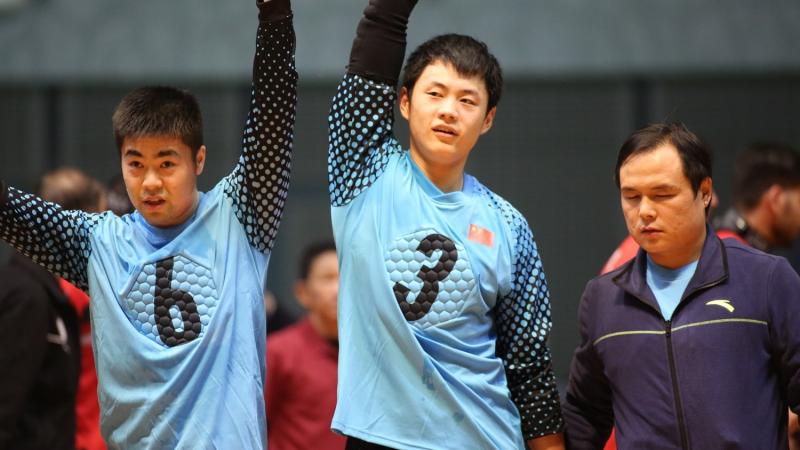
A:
x: 200, y: 160
x: 707, y: 191
x: 405, y: 102
x: 488, y: 121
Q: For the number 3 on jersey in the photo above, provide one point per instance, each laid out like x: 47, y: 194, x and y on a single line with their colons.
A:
x: 430, y: 277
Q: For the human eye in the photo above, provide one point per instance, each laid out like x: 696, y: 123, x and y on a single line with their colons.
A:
x: 167, y: 165
x: 664, y: 195
x: 135, y: 164
x: 434, y: 93
x: 469, y: 101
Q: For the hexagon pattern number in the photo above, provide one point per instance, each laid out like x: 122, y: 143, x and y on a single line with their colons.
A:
x: 172, y: 301
x: 431, y: 275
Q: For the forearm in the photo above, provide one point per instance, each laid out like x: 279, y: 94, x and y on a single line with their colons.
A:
x: 533, y: 390
x: 259, y: 184
x: 380, y: 43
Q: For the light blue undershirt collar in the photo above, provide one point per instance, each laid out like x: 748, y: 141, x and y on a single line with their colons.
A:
x: 435, y: 193
x: 668, y: 285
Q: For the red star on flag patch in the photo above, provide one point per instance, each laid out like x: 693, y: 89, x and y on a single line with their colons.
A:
x: 480, y: 235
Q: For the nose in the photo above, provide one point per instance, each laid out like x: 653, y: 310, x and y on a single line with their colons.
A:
x: 447, y: 109
x: 647, y: 211
x: 152, y: 182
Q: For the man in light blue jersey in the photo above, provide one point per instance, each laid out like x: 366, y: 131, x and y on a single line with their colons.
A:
x: 177, y: 285
x: 443, y: 307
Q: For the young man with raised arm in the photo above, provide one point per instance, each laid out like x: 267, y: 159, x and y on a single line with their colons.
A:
x: 177, y: 286
x: 443, y: 309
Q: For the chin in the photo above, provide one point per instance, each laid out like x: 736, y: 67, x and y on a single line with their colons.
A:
x: 444, y: 156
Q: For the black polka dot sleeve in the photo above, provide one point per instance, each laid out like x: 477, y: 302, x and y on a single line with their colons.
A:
x: 55, y: 238
x: 362, y: 113
x: 360, y: 136
x: 523, y: 324
x: 259, y: 183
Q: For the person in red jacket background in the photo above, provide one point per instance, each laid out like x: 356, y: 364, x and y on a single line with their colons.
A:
x: 302, y: 361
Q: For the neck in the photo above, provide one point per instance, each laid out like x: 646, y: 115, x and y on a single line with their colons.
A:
x: 322, y: 328
x: 446, y: 177
x: 758, y: 220
x: 677, y: 260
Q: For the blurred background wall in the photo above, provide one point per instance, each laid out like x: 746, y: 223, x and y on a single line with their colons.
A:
x: 581, y: 76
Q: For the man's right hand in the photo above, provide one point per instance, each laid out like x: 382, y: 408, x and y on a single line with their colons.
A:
x: 273, y: 10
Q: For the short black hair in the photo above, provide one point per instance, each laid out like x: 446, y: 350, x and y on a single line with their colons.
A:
x: 310, y: 253
x: 159, y: 111
x: 469, y: 56
x: 760, y: 166
x: 695, y: 155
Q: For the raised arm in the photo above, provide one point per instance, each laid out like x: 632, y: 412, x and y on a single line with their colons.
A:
x: 362, y: 113
x: 52, y: 237
x: 523, y: 325
x: 259, y: 183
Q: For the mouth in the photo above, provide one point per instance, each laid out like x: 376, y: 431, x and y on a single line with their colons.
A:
x: 445, y: 131
x: 153, y: 203
x: 649, y: 231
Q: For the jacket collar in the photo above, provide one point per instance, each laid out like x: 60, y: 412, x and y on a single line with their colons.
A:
x: 712, y: 269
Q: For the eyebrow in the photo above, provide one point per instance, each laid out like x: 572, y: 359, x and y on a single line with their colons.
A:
x: 462, y: 91
x: 161, y: 154
x: 664, y: 187
x: 167, y: 152
x: 660, y: 187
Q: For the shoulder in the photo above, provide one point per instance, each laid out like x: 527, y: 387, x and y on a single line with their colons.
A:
x: 603, y: 288
x: 108, y: 222
x: 742, y: 256
x: 510, y: 215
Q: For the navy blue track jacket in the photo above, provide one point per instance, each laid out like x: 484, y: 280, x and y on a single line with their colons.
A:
x: 719, y: 375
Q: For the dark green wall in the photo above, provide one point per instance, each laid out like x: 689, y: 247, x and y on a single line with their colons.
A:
x: 551, y: 153
x: 582, y: 75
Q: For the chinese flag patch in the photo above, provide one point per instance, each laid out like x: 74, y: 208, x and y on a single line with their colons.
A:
x: 480, y: 235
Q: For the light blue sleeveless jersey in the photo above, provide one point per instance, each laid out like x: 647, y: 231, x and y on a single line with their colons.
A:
x: 443, y: 306
x: 179, y: 327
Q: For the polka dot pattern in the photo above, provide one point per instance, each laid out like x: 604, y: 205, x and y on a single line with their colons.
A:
x: 360, y: 136
x: 260, y: 181
x: 52, y: 237
x: 405, y: 264
x: 172, y: 301
x: 522, y: 320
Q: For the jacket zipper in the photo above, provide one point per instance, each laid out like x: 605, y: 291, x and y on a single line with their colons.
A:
x: 676, y: 392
